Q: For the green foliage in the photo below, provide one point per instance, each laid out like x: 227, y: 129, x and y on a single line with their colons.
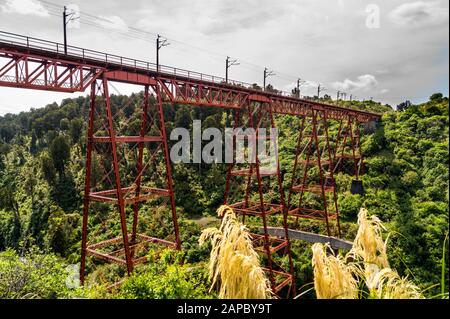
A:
x: 65, y: 194
x: 10, y: 229
x: 48, y: 169
x: 60, y: 153
x: 166, y: 279
x: 407, y: 186
x: 42, y: 155
x: 75, y: 129
x: 34, y: 275
x: 62, y: 232
x: 349, y: 206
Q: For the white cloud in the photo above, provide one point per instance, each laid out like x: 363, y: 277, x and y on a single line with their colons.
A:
x: 363, y: 82
x: 384, y: 91
x: 419, y: 14
x: 113, y: 22
x: 27, y: 7
x: 289, y: 37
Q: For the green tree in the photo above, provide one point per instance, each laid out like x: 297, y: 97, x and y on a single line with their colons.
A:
x: 48, y: 168
x: 436, y: 97
x: 64, y: 124
x: 75, y: 129
x: 60, y: 153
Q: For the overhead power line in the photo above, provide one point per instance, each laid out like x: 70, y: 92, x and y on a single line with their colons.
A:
x: 109, y: 25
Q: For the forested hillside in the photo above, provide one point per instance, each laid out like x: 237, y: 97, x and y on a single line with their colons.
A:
x: 42, y: 180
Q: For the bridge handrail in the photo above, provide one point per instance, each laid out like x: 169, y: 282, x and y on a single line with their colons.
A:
x: 74, y: 51
x: 77, y: 52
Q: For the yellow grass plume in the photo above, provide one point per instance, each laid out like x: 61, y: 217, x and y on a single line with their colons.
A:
x: 370, y: 246
x: 332, y: 277
x: 391, y: 286
x: 234, y: 264
x: 335, y: 278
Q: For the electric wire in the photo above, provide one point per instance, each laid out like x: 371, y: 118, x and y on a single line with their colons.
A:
x: 106, y: 24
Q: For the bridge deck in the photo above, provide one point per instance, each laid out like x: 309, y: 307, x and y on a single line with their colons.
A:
x: 233, y: 94
x: 334, y: 242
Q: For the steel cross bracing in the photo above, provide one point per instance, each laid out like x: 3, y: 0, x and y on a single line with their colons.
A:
x: 31, y: 63
x: 348, y: 146
x: 106, y: 183
x: 313, y: 173
x: 247, y: 189
x: 33, y: 72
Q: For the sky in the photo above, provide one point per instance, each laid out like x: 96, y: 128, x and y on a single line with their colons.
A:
x: 388, y: 50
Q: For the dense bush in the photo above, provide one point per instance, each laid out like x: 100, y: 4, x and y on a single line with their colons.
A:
x: 42, y: 156
x: 166, y: 278
x: 34, y: 275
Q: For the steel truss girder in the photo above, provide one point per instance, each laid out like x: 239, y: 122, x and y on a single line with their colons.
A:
x: 179, y: 86
x: 290, y: 106
x: 201, y: 94
x: 184, y: 92
x: 28, y: 71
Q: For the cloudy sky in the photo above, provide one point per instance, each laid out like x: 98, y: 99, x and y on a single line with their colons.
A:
x: 390, y: 50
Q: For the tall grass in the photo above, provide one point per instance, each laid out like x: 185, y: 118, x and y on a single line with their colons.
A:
x: 365, y: 265
x: 370, y: 247
x: 389, y: 285
x: 333, y: 278
x: 234, y: 264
